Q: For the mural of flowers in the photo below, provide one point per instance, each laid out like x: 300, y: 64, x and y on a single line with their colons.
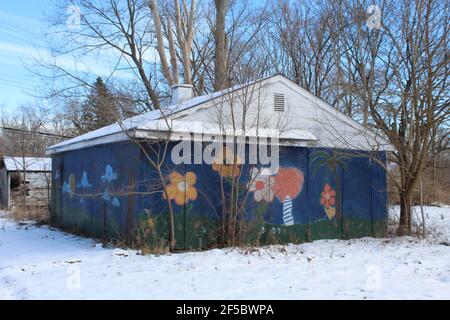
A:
x: 261, y: 186
x: 328, y: 201
x: 226, y: 163
x: 287, y: 185
x: 181, y: 188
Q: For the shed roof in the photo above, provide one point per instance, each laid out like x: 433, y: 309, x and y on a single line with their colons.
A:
x: 31, y: 164
x: 155, y: 121
x: 145, y: 120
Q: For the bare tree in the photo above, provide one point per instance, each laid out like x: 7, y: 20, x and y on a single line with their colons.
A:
x: 392, y: 77
x: 303, y: 36
x: 220, y: 61
x: 397, y: 76
x: 122, y: 31
x: 184, y: 20
x: 418, y: 101
x: 242, y: 120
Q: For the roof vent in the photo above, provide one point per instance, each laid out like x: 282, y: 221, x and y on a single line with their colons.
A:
x: 278, y: 102
x: 181, y: 93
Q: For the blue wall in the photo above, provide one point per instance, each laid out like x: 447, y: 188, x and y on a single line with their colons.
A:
x: 93, y: 189
x: 112, y: 189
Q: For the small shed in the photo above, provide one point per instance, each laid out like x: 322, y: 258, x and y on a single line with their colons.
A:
x: 25, y: 179
x: 104, y: 185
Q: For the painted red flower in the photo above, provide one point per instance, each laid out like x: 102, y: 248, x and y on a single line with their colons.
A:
x: 327, y: 198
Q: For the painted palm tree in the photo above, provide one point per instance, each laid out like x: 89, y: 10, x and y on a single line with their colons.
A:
x: 333, y: 160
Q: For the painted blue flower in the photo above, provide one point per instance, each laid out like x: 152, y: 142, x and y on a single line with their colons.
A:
x: 66, y: 188
x: 84, y: 183
x: 106, y: 196
x: 109, y: 174
x: 115, y: 202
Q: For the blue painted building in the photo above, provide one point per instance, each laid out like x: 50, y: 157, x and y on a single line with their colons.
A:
x: 324, y: 177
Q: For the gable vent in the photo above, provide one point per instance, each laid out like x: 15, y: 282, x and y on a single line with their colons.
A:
x: 278, y: 104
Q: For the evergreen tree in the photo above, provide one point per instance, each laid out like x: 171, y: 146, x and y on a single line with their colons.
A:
x: 100, y: 108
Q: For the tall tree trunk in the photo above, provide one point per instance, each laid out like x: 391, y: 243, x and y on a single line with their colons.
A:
x: 404, y: 227
x: 424, y: 231
x: 160, y: 43
x: 339, y: 207
x: 220, y: 62
x: 170, y: 216
x: 185, y: 31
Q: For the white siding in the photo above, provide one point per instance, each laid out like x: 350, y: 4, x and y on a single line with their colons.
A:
x: 302, y: 111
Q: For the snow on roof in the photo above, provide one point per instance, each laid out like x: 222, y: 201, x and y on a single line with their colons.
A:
x: 211, y: 128
x: 31, y: 164
x: 146, y: 120
x: 149, y: 123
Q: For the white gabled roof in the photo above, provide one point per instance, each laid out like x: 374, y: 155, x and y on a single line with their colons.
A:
x: 146, y: 121
x: 140, y: 122
x: 145, y: 125
x: 31, y: 164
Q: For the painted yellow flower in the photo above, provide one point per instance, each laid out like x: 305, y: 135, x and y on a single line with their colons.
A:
x: 226, y: 163
x: 72, y: 183
x: 181, y: 188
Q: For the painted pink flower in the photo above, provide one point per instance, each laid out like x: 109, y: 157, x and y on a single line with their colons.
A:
x: 328, y: 196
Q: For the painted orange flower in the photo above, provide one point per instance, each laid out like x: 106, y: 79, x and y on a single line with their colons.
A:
x: 181, y: 188
x: 288, y: 183
x: 327, y: 198
x: 226, y: 163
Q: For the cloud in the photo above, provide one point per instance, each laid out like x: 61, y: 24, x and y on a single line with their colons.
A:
x: 14, y: 19
x: 19, y: 54
x: 8, y: 48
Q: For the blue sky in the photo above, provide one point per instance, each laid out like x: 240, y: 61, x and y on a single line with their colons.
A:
x: 23, y: 25
x: 21, y: 22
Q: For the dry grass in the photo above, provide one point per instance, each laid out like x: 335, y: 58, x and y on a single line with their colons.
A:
x: 435, y: 187
x: 38, y: 214
x: 145, y: 238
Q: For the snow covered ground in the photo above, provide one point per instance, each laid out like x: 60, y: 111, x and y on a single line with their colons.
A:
x: 41, y: 263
